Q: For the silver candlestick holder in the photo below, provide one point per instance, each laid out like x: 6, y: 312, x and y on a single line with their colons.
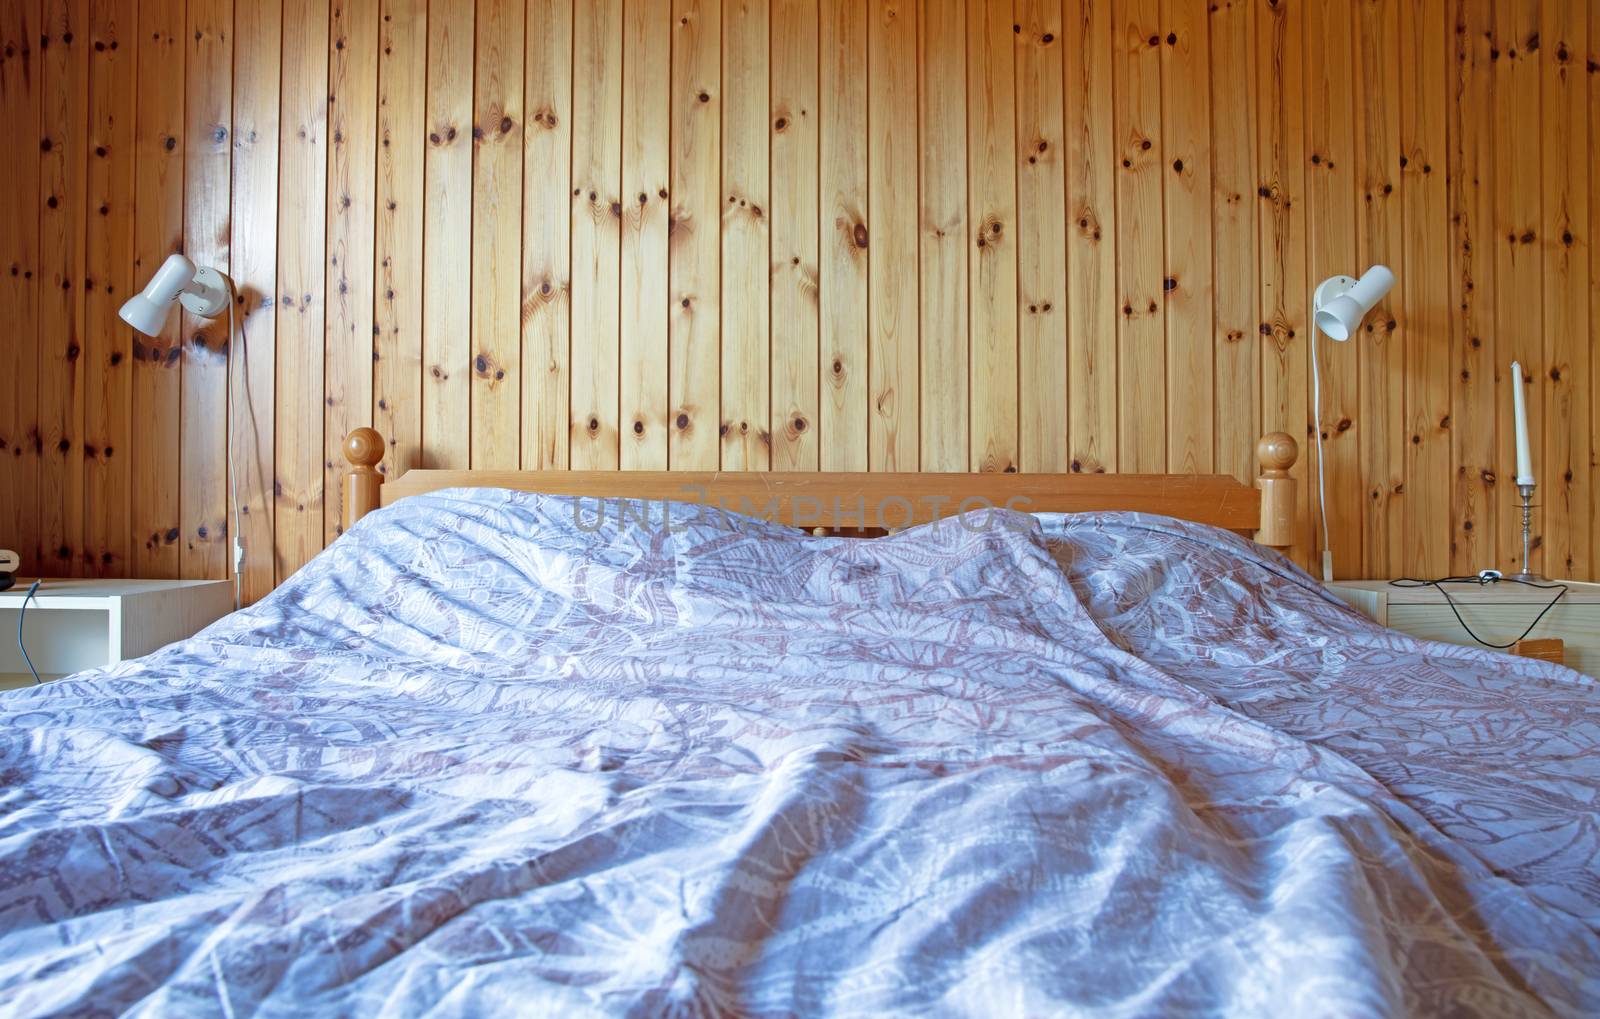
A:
x: 1527, y: 574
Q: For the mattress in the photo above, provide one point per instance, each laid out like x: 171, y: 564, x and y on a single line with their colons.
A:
x: 493, y: 753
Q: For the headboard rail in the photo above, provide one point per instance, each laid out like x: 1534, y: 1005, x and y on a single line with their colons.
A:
x: 874, y: 501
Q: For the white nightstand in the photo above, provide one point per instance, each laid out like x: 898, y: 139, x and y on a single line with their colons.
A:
x: 72, y: 625
x: 1496, y: 612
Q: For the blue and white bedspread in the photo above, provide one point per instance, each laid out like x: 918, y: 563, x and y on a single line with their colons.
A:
x: 477, y: 760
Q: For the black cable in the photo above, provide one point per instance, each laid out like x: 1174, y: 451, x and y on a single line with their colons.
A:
x: 1481, y: 582
x: 20, y: 646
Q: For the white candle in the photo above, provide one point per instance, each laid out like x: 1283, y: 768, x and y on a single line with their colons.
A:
x: 1524, y: 460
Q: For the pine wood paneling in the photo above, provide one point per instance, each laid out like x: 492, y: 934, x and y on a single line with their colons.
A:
x: 1593, y: 67
x: 1425, y: 365
x: 208, y: 171
x: 842, y: 142
x: 447, y: 239
x: 62, y: 168
x: 254, y: 251
x: 893, y: 443
x: 1041, y: 240
x: 107, y: 348
x: 1331, y: 249
x: 1236, y: 406
x: 795, y: 234
x: 746, y: 239
x: 352, y: 188
x: 1186, y: 199
x: 1091, y: 147
x: 1378, y: 168
x: 302, y: 244
x: 496, y: 376
x: 1474, y: 503
x: 975, y: 234
x: 20, y: 113
x: 1141, y: 328
x: 547, y: 237
x: 1285, y: 325
x: 596, y: 231
x: 646, y: 166
x: 991, y: 236
x: 157, y: 233
x: 942, y: 230
x: 695, y: 237
x: 397, y: 312
x: 1564, y: 467
x: 1519, y: 264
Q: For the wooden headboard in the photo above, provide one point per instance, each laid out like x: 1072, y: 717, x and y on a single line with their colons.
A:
x: 875, y: 502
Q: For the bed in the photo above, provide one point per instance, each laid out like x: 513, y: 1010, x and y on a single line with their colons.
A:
x: 497, y: 752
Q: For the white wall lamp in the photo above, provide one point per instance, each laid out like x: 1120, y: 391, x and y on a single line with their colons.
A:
x: 1338, y: 307
x: 205, y: 292
x: 202, y: 291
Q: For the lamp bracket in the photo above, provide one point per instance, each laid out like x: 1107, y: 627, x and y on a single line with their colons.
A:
x: 207, y: 294
x: 1328, y: 289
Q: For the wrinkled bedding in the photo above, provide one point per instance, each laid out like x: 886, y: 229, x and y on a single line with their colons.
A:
x: 483, y: 757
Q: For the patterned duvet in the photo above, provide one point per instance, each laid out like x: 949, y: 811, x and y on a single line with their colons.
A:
x: 482, y: 758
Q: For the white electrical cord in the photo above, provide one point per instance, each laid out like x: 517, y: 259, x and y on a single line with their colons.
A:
x: 1322, y: 487
x: 21, y: 616
x: 233, y: 474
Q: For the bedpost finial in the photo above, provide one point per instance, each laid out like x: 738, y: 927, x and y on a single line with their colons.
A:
x: 363, y: 448
x: 1277, y: 452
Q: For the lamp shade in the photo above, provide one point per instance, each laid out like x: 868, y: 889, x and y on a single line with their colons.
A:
x: 1342, y: 303
x: 145, y: 315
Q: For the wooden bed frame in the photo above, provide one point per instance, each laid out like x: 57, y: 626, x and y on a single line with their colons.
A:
x: 873, y: 503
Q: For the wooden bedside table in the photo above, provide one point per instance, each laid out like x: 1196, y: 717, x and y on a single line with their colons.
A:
x: 72, y: 625
x: 1496, y: 612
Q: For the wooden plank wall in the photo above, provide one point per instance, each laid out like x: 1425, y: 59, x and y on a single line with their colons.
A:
x: 806, y: 234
